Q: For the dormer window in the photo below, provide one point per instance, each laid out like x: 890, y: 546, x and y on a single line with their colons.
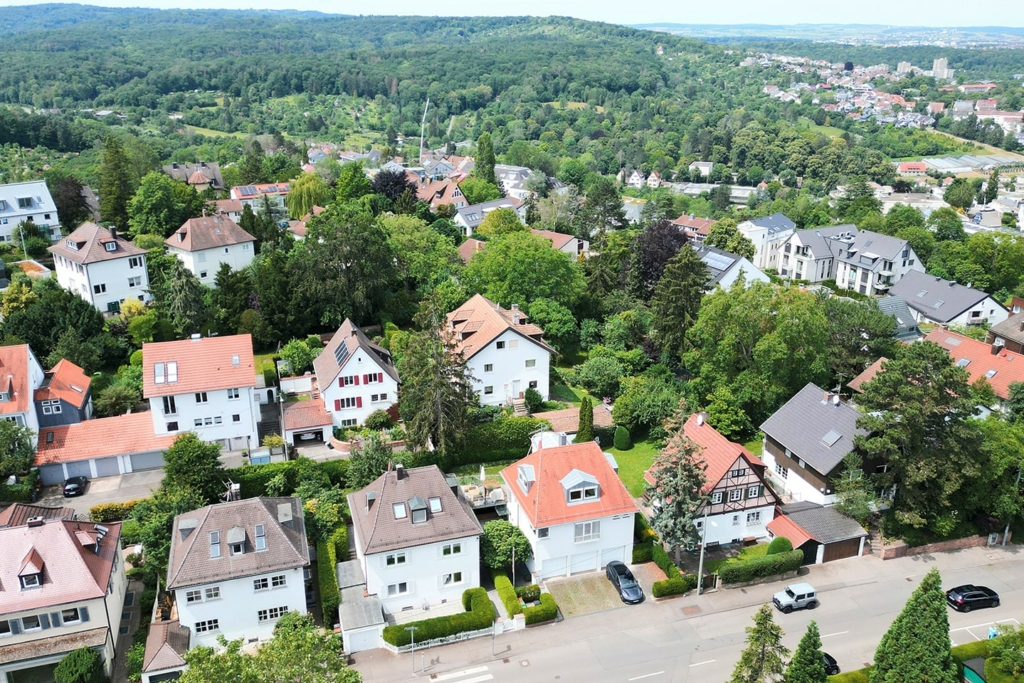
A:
x: 525, y: 477
x: 31, y: 580
x: 110, y: 246
x: 419, y: 510
x: 71, y: 244
x: 580, y: 487
x: 236, y: 540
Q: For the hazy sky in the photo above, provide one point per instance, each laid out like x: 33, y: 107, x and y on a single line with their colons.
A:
x: 931, y: 13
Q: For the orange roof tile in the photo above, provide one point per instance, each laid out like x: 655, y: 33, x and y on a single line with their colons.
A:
x: 869, y: 373
x: 90, y: 243
x: 15, y: 380
x: 716, y: 452
x: 546, y: 502
x: 203, y: 364
x: 478, y: 321
x: 470, y: 247
x: 1005, y: 367
x: 68, y: 382
x: 558, y: 239
x: 208, y: 232
x: 305, y: 415
x: 99, y: 438
x: 787, y: 528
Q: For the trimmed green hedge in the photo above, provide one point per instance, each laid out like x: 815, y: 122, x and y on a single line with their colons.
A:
x: 545, y: 611
x: 504, y: 439
x: 507, y: 594
x: 642, y: 552
x: 979, y: 648
x: 131, y: 532
x: 336, y: 471
x: 779, y: 544
x: 642, y: 530
x: 113, y: 512
x: 330, y: 594
x: 675, y: 586
x: 529, y: 593
x: 479, y: 615
x: 761, y: 567
x: 664, y: 562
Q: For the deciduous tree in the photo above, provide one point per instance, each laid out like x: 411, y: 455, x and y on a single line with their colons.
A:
x: 484, y: 169
x: 520, y: 268
x: 307, y: 191
x: 501, y: 538
x: 16, y: 449
x: 500, y: 222
x: 191, y: 463
x: 369, y: 461
x: 352, y: 182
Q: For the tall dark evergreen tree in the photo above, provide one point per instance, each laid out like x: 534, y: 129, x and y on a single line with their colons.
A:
x: 677, y: 298
x: 250, y: 168
x: 484, y: 169
x: 764, y: 659
x: 586, y: 427
x: 679, y: 479
x: 183, y: 300
x: 116, y: 187
x: 808, y: 662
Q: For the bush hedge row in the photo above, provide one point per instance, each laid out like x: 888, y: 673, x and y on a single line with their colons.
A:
x: 479, y: 615
x: 20, y: 492
x: 330, y: 594
x: 761, y: 567
x: 507, y: 594
x: 675, y: 586
x: 642, y: 552
x: 642, y: 529
x: 664, y: 562
x: 505, y: 439
x: 113, y: 512
x: 961, y: 653
x: 529, y: 593
x: 545, y: 611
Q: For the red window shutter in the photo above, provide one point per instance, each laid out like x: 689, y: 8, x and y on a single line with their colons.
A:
x: 357, y: 380
x: 337, y: 404
x: 359, y: 401
x: 366, y: 379
x: 341, y: 381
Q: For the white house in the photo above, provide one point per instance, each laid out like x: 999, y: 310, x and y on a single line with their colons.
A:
x: 205, y: 385
x: 768, y: 234
x: 235, y: 568
x: 654, y: 180
x: 27, y: 201
x: 253, y: 195
x: 505, y: 354
x: 469, y: 218
x: 203, y: 244
x: 62, y: 587
x: 704, y: 167
x: 22, y: 375
x: 636, y: 180
x: 567, y: 244
x: 416, y: 540
x: 725, y: 268
x: 355, y: 377
x: 934, y: 300
x: 873, y: 263
x: 102, y: 267
x: 813, y: 254
x: 570, y: 503
x: 741, y: 505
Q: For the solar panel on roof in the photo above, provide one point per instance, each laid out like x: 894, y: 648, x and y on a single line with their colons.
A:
x: 247, y: 191
x: 831, y: 438
x: 271, y: 188
x: 341, y: 353
x: 718, y: 261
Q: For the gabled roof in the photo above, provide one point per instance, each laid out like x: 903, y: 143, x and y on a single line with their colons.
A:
x: 208, y: 232
x: 558, y: 239
x: 805, y: 422
x: 568, y: 420
x: 1001, y: 369
x: 823, y: 524
x: 906, y: 325
x: 1012, y: 328
x: 166, y: 645
x: 858, y: 382
x: 335, y: 356
x: 196, y: 174
x: 470, y: 247
x: 35, y: 191
x: 787, y: 528
x: 71, y: 571
x: 694, y: 223
x: 190, y: 563
x: 228, y: 205
x: 88, y: 244
x: 67, y: 382
x: 474, y: 214
x: 203, y: 364
x: 15, y: 379
x: 820, y: 240
x: 867, y: 243
x: 776, y: 222
x: 545, y: 504
x: 437, y: 192
x: 19, y: 514
x: 938, y: 299
x: 479, y: 321
x: 99, y: 438
x: 379, y: 530
x: 718, y: 262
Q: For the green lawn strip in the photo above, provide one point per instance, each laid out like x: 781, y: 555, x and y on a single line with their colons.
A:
x: 560, y: 392
x: 634, y: 462
x: 755, y: 446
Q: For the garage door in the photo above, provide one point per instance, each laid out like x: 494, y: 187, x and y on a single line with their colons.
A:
x: 359, y: 641
x: 584, y: 562
x: 147, y: 461
x: 107, y: 467
x: 612, y: 555
x: 553, y: 567
x: 79, y: 469
x: 51, y: 474
x: 837, y: 551
x: 309, y: 436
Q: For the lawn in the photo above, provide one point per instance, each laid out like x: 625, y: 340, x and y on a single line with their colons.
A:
x: 265, y: 361
x: 634, y: 462
x: 828, y: 131
x: 747, y: 553
x: 209, y: 132
x: 560, y: 392
x: 755, y: 446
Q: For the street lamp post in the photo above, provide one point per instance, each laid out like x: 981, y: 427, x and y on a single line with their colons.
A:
x: 412, y: 635
x: 703, y: 544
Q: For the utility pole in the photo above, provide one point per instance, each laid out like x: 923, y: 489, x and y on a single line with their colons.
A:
x: 1016, y: 487
x: 423, y: 123
x: 703, y: 544
x: 412, y: 635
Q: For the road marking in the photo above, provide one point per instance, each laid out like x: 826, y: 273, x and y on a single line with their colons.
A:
x: 840, y: 633
x: 703, y: 663
x: 479, y: 679
x: 466, y: 672
x: 1011, y: 620
x: 656, y: 673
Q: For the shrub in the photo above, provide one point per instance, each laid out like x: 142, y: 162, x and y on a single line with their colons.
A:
x: 642, y: 530
x: 336, y: 471
x: 146, y: 602
x: 642, y: 552
x: 545, y: 611
x: 136, y: 657
x: 504, y: 439
x: 340, y: 540
x: 330, y: 594
x: 529, y: 593
x: 507, y: 594
x: 761, y: 567
x: 663, y: 561
x: 980, y: 648
x: 858, y: 676
x: 622, y: 441
x: 131, y: 532
x: 604, y: 435
x: 80, y: 666
x: 22, y: 491
x: 273, y: 441
x: 534, y: 401
x: 479, y: 614
x: 779, y: 544
x: 378, y: 421
x: 112, y: 512
x: 674, y: 586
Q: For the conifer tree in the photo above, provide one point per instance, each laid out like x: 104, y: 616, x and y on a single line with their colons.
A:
x: 679, y: 479
x: 586, y: 429
x: 808, y: 665
x: 677, y: 297
x: 485, y: 159
x: 115, y: 184
x: 763, y: 660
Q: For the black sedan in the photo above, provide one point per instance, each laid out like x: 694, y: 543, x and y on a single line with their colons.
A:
x: 75, y: 486
x: 624, y: 582
x: 831, y: 666
x: 968, y: 597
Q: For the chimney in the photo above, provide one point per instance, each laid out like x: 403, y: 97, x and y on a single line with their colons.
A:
x: 951, y: 284
x: 113, y: 233
x: 196, y: 336
x: 563, y: 438
x: 824, y: 399
x: 515, y: 314
x: 33, y: 522
x: 399, y: 472
x: 835, y: 400
x: 175, y: 165
x: 1022, y: 325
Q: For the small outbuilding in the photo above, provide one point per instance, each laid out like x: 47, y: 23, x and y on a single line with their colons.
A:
x: 823, y: 533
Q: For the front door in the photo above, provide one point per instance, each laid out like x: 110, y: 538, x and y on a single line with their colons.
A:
x: 515, y: 388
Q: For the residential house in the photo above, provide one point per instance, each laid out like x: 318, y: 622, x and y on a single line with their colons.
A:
x: 725, y: 268
x: 19, y: 514
x: 739, y: 505
x: 696, y: 229
x: 22, y: 375
x: 470, y: 247
x: 417, y: 540
x: 513, y: 181
x: 201, y: 176
x: 298, y: 228
x: 470, y: 217
x: 355, y: 377
x: 636, y: 180
x: 62, y: 587
x: 768, y: 234
x: 1000, y: 367
x: 203, y: 244
x: 28, y: 201
x: 306, y: 420
x: 912, y: 168
x: 102, y: 267
x: 705, y: 168
x: 64, y: 397
x: 654, y: 180
x: 943, y: 302
x: 205, y: 385
x: 166, y: 646
x: 232, y: 208
x: 571, y: 505
x: 936, y: 108
x: 906, y: 329
x: 504, y: 353
x: 813, y: 254
x: 1009, y: 333
x: 568, y: 244
x: 567, y: 421
x: 874, y: 262
x: 440, y: 193
x: 823, y: 533
x: 924, y: 202
x: 805, y: 442
x: 235, y: 568
x: 253, y: 195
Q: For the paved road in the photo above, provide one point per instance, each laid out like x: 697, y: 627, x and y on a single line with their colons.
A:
x: 699, y: 639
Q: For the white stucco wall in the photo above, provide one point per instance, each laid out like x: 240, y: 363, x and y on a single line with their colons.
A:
x: 508, y: 375
x: 987, y: 309
x: 359, y: 364
x: 751, y: 274
x: 205, y: 263
x: 796, y: 486
x: 116, y: 275
x: 768, y: 248
x: 218, y: 405
x: 732, y: 526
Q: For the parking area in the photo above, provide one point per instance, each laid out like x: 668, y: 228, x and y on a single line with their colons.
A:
x: 967, y: 634
x: 584, y: 594
x: 106, y: 490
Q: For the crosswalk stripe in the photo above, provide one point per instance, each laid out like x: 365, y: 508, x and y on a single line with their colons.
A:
x: 460, y: 674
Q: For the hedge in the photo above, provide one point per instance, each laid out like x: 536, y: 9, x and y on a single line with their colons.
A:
x: 961, y: 654
x: 131, y: 532
x: 479, y: 615
x: 504, y: 439
x: 605, y: 436
x: 113, y: 512
x: 664, y: 562
x: 621, y: 439
x: 507, y: 594
x: 642, y: 552
x: 761, y: 567
x: 675, y: 586
x: 545, y: 611
x: 779, y: 544
x: 330, y: 595
x: 336, y: 471
x: 529, y: 593
x: 22, y: 491
x: 642, y: 529
x: 81, y: 666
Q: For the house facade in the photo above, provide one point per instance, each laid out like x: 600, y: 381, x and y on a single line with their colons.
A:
x: 768, y: 234
x: 203, y: 244
x: 253, y: 195
x: 204, y: 385
x: 874, y: 263
x: 944, y: 302
x: 63, y: 588
x: 355, y: 377
x: 505, y: 354
x: 22, y: 376
x: 571, y: 505
x: 814, y: 254
x: 694, y: 227
x: 102, y: 267
x: 417, y: 540
x: 571, y: 245
x: 470, y: 217
x: 64, y: 397
x: 237, y: 567
x: 28, y: 201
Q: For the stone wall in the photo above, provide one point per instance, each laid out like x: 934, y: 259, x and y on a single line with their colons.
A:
x: 901, y: 549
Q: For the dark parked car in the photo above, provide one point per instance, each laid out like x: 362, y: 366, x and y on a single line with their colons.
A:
x: 968, y: 597
x: 831, y: 666
x: 75, y: 486
x: 624, y: 582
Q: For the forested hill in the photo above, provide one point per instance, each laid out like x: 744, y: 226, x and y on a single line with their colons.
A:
x: 65, y: 55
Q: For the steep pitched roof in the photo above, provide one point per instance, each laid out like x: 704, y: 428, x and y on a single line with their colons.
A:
x: 820, y: 240
x: 67, y: 382
x: 787, y: 528
x: 166, y: 645
x: 470, y: 247
x: 15, y: 380
x: 1012, y: 328
x: 776, y: 222
x: 373, y: 511
x: 858, y: 382
x: 896, y: 307
x: 546, y: 503
x: 868, y: 243
x: 333, y: 359
x: 208, y: 232
x: 99, y: 438
x: 1001, y: 369
x: 558, y: 239
x: 196, y: 174
x: 694, y: 223
x: 479, y: 321
x: 190, y: 563
x: 568, y: 420
x: 203, y: 364
x: 90, y: 243
x: 19, y: 514
x: 938, y: 299
x: 474, y: 214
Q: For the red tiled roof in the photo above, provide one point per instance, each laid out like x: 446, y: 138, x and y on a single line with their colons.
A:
x: 19, y: 514
x: 438, y: 192
x: 208, y: 232
x: 14, y: 379
x: 91, y: 245
x: 869, y: 374
x: 470, y: 247
x: 228, y: 205
x: 568, y: 420
x: 204, y: 364
x: 716, y: 452
x: 298, y: 228
x: 68, y: 382
x: 787, y: 528
x: 546, y: 503
x: 1008, y: 367
x: 305, y: 415
x: 480, y: 320
x: 558, y: 239
x: 907, y: 166
x: 102, y: 437
x: 198, y: 178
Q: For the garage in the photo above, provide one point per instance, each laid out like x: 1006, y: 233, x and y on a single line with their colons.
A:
x: 306, y: 422
x: 108, y: 467
x: 842, y: 549
x: 823, y: 533
x: 147, y: 461
x: 613, y: 555
x: 583, y: 562
x: 79, y: 469
x: 51, y: 475
x: 552, y: 567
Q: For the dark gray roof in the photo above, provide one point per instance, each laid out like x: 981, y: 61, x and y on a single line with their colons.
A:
x: 358, y: 610
x: 718, y: 262
x: 350, y: 574
x: 816, y: 239
x: 1012, y: 328
x: 805, y: 420
x: 190, y: 563
x: 937, y: 299
x: 474, y: 214
x: 906, y: 325
x: 326, y: 365
x: 377, y: 528
x: 867, y: 243
x: 775, y: 223
x: 824, y: 524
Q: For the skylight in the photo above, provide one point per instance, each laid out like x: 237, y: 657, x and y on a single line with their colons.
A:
x: 990, y: 374
x: 963, y: 362
x: 831, y: 438
x: 399, y: 509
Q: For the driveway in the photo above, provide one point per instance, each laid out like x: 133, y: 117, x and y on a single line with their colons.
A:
x: 106, y: 490
x: 584, y: 594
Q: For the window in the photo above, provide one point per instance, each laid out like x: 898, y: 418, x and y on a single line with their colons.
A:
x: 110, y: 246
x: 753, y: 491
x: 452, y: 579
x: 213, y: 593
x: 716, y: 497
x: 373, y: 378
x: 198, y: 422
x: 31, y: 623
x: 194, y: 596
x: 587, y: 531
x: 260, y: 584
x: 349, y: 423
x: 245, y: 247
x: 754, y: 517
x: 488, y: 367
x: 741, y: 472
x: 435, y: 504
x: 233, y: 394
x: 500, y: 345
x: 208, y: 626
x: 488, y: 391
x: 278, y: 581
x: 533, y: 384
x: 5, y: 628
x: 172, y: 426
x: 394, y: 559
x: 217, y: 420
x: 350, y: 402
x: 135, y: 262
x: 203, y: 274
x: 399, y: 510
x: 201, y: 397
x: 51, y: 407
x: 238, y: 418
x: 261, y: 537
x: 238, y: 548
x: 419, y: 516
x: 135, y: 282
x: 542, y: 533
x: 451, y: 549
x: 531, y: 363
x: 781, y: 471
x: 735, y: 495
x: 30, y: 581
x: 170, y: 407
x: 71, y: 615
x: 272, y: 613
x: 24, y: 202
x: 99, y: 289
x: 346, y: 381
x: 377, y: 398
x: 226, y: 250
x: 398, y: 589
